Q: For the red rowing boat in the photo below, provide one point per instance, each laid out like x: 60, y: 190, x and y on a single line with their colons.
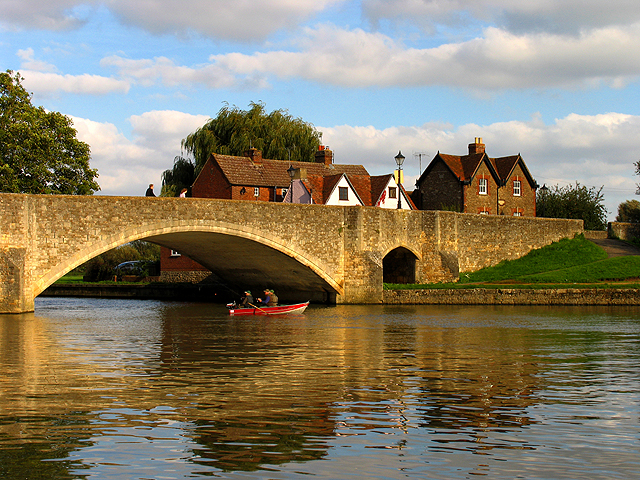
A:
x: 277, y: 310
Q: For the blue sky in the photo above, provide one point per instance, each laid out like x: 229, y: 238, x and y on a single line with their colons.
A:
x: 556, y: 81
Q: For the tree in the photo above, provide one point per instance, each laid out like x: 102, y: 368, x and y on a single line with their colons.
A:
x: 39, y: 151
x: 180, y: 176
x: 629, y: 211
x: 277, y: 134
x: 574, y: 201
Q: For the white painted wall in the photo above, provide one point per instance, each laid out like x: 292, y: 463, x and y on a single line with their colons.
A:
x: 334, y: 198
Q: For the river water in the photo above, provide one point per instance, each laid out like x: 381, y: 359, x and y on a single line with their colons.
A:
x: 132, y: 389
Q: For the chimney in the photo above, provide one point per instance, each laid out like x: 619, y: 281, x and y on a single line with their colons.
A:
x: 254, y: 154
x: 477, y: 146
x: 324, y: 155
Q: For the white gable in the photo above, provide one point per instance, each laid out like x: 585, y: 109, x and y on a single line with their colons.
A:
x: 352, y: 197
x: 389, y: 196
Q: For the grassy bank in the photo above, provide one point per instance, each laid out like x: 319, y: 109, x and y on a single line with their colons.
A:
x: 576, y: 262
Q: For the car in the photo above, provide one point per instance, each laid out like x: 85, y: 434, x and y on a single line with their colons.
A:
x: 133, y: 267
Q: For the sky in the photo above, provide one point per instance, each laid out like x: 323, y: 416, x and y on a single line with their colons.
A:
x: 556, y: 81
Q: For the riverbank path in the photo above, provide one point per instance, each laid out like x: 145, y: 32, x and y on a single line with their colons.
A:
x: 616, y: 248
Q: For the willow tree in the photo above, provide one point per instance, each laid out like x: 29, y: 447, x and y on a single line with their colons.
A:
x: 39, y: 151
x: 180, y: 176
x: 277, y: 134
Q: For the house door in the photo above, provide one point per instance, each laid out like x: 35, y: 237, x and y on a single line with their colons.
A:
x: 399, y: 266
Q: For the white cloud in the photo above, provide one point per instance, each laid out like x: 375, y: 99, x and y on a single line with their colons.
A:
x: 42, y: 77
x: 594, y: 150
x: 53, y: 15
x: 500, y: 60
x: 161, y: 70
x: 333, y: 56
x: 238, y: 20
x: 560, y: 17
x: 127, y: 166
x: 163, y: 130
x: 49, y: 83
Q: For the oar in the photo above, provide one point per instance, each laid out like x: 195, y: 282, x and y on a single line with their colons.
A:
x: 265, y: 312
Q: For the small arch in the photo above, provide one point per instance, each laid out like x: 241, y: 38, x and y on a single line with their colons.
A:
x: 399, y: 266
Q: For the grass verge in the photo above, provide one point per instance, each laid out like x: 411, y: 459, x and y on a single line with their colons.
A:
x: 569, y: 263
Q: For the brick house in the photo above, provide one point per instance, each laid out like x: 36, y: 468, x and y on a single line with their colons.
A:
x: 251, y: 177
x: 477, y: 183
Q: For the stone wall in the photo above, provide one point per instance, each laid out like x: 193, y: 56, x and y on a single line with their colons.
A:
x: 624, y: 231
x: 479, y: 241
x: 513, y: 296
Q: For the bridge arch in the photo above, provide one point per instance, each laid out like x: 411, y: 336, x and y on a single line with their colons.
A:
x: 190, y: 238
x: 399, y: 265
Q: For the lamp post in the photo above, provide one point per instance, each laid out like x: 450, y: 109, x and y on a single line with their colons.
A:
x: 399, y: 161
x: 291, y: 171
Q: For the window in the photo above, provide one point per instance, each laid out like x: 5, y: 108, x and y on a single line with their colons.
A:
x: 517, y: 213
x: 256, y: 191
x: 343, y: 193
x: 392, y: 192
x: 516, y: 188
x: 284, y: 191
x: 484, y: 211
x: 483, y: 186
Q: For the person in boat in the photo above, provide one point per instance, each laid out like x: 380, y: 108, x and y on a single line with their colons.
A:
x: 246, y: 300
x: 274, y: 297
x: 267, y: 301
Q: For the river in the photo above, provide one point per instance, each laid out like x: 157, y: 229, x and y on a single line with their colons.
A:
x: 136, y: 389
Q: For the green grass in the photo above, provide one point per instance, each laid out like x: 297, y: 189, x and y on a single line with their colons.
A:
x: 572, y: 263
x: 560, y: 255
x: 71, y: 278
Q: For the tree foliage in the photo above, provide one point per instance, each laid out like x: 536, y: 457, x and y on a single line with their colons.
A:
x: 39, y: 151
x: 629, y: 211
x: 574, y: 201
x: 277, y: 134
x: 102, y: 267
x: 180, y: 176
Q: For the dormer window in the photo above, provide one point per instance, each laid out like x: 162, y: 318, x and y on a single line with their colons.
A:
x: 392, y: 192
x: 343, y: 193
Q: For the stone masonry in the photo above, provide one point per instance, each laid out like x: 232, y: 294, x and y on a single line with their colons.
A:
x: 298, y: 248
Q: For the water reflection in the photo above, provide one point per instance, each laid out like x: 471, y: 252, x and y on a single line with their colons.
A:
x: 119, y: 389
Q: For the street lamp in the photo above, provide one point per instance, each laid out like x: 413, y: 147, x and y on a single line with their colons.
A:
x: 399, y: 160
x: 292, y: 172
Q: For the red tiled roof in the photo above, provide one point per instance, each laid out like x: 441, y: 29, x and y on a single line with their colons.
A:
x: 362, y: 186
x: 504, y: 165
x: 463, y: 167
x: 378, y: 184
x: 270, y: 173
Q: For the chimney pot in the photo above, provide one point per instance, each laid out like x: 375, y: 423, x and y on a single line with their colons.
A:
x: 324, y: 156
x: 254, y: 154
x: 477, y: 146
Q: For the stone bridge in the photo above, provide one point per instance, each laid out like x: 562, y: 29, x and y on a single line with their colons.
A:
x: 326, y: 253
